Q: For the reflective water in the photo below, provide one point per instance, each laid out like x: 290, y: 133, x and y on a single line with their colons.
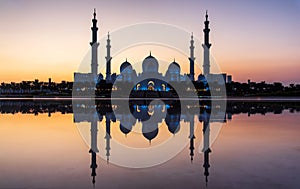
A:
x: 60, y: 144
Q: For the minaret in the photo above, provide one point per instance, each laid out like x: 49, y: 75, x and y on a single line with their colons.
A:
x: 94, y: 44
x: 206, y: 46
x: 108, y: 60
x: 192, y: 59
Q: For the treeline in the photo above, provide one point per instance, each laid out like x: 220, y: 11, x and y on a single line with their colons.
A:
x: 36, y: 88
x: 262, y: 89
x: 104, y: 89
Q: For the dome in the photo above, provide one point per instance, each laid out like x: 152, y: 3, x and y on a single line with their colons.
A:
x: 174, y: 68
x: 150, y: 65
x: 124, y: 65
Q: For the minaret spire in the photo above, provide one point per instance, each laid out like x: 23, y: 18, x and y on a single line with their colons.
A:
x: 108, y: 59
x: 94, y: 44
x: 206, y: 31
x: 94, y: 29
x: 192, y: 59
x: 206, y: 46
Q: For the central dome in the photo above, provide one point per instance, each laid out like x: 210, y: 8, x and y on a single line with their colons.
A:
x: 150, y: 65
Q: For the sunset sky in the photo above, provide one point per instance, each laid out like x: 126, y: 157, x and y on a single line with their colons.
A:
x: 252, y: 39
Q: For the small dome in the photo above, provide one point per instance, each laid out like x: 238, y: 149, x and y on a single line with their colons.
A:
x: 150, y: 64
x: 100, y: 77
x: 202, y: 78
x: 174, y: 68
x: 124, y: 65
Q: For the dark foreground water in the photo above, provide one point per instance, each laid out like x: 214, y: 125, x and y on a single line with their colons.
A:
x: 60, y: 144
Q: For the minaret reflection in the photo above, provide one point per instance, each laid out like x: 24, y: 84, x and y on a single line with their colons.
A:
x: 204, y: 117
x: 93, y: 166
x: 85, y: 111
x: 110, y: 117
x: 94, y: 148
x: 189, y: 116
x: 192, y: 138
x: 206, y: 149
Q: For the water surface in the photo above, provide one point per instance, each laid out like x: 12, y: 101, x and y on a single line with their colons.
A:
x: 43, y: 145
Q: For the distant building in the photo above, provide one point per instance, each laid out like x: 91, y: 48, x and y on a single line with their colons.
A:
x: 229, y: 78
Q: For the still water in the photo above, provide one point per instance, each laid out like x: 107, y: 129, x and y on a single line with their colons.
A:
x: 140, y: 144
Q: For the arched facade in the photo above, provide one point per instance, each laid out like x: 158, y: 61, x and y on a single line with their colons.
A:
x: 150, y: 79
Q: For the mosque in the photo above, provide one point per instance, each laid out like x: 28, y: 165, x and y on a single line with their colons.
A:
x: 150, y: 79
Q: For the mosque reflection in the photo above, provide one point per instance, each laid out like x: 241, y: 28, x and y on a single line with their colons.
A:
x: 151, y: 114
